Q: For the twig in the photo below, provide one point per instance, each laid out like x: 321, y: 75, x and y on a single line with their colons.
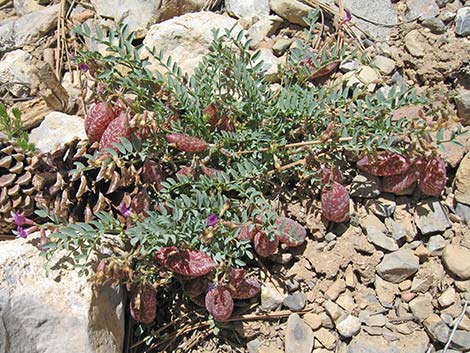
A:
x: 430, y: 348
x: 456, y: 325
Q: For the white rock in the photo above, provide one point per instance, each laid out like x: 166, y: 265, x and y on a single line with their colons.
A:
x: 23, y: 7
x: 447, y: 298
x: 421, y: 306
x: 326, y: 338
x: 271, y: 297
x: 54, y: 310
x: 349, y: 327
x: 292, y: 10
x: 57, y: 129
x: 186, y: 38
x: 245, y: 8
x: 384, y: 64
x: 27, y: 29
x: 15, y: 72
x: 262, y: 29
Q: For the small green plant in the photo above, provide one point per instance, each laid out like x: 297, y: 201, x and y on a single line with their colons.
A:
x: 12, y: 127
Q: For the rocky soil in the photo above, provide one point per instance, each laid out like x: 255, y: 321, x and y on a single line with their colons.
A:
x: 394, y: 279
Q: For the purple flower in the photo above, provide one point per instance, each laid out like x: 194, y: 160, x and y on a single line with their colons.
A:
x: 124, y: 211
x: 210, y: 286
x: 83, y: 67
x: 347, y: 17
x: 21, y: 232
x: 19, y: 219
x: 212, y: 220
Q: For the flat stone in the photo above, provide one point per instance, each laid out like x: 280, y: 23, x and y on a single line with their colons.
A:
x: 437, y: 329
x: 313, y: 320
x: 16, y: 72
x: 349, y: 65
x: 295, y: 302
x: 23, y: 7
x: 456, y: 259
x: 377, y: 233
x: 27, y: 29
x: 326, y: 338
x: 338, y: 287
x: 436, y: 25
x: 349, y: 327
x: 462, y: 21
x: 461, y: 340
x: 334, y: 311
x: 430, y: 217
x: 436, y: 244
x: 246, y: 8
x: 281, y: 45
x: 384, y: 64
x: 292, y: 10
x: 386, y: 291
x: 463, y: 211
x: 346, y: 301
x: 185, y: 38
x: 262, y: 29
x: 253, y: 346
x: 372, y: 319
x: 396, y: 230
x: 447, y: 298
x: 398, y: 266
x: 270, y: 67
x: 365, y: 186
x: 383, y: 206
x: 377, y: 11
x: 414, y: 43
x: 462, y: 101
x: 57, y: 129
x: 52, y: 309
x: 421, y: 306
x: 299, y: 336
x: 462, y: 181
x: 423, y: 8
x: 371, y: 344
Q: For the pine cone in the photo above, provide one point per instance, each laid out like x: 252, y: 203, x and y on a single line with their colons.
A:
x: 17, y: 191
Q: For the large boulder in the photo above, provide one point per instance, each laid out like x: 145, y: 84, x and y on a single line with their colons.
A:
x: 186, y: 39
x: 51, y: 309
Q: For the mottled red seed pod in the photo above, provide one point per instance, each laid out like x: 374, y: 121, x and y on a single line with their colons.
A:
x: 116, y: 129
x: 247, y: 231
x: 143, y: 305
x: 212, y: 113
x: 187, y: 171
x: 186, y: 143
x: 97, y: 120
x: 290, y: 232
x: 434, y: 178
x: 219, y: 303
x: 401, y: 182
x: 330, y: 174
x: 211, y: 172
x: 241, y: 287
x: 384, y: 163
x: 187, y: 262
x: 335, y: 203
x: 152, y: 173
x: 140, y: 203
x: 265, y: 246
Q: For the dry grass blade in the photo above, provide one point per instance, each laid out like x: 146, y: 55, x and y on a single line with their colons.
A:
x: 456, y: 325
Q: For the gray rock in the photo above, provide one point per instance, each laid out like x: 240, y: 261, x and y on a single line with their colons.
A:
x: 262, y: 29
x: 447, y: 298
x: 462, y: 21
x: 23, y: 7
x: 378, y: 11
x: 436, y: 244
x: 281, y: 46
x: 27, y: 29
x: 384, y: 64
x: 396, y: 230
x: 365, y: 186
x: 295, y: 302
x: 456, y: 259
x: 463, y: 211
x: 15, y: 72
x: 462, y: 101
x: 349, y: 65
x: 362, y: 344
x: 377, y: 233
x: 334, y: 311
x: 383, y: 206
x: 423, y: 8
x: 430, y: 217
x: 421, y: 306
x: 436, y: 25
x: 292, y: 10
x: 447, y: 16
x: 398, y: 266
x: 246, y: 8
x: 442, y: 3
x: 349, y: 327
x: 461, y: 340
x: 437, y: 329
x: 414, y: 43
x: 372, y: 319
x: 270, y: 67
x: 57, y: 129
x: 253, y: 345
x: 299, y: 336
x: 462, y: 181
x: 52, y: 310
x: 186, y: 38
